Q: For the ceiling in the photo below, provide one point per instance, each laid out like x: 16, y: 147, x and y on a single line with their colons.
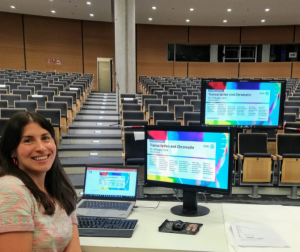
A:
x: 169, y: 12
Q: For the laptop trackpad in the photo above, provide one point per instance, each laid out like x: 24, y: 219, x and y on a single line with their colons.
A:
x: 97, y: 212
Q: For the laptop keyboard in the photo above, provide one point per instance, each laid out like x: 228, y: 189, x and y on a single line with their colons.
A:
x: 122, y: 206
x: 105, y: 227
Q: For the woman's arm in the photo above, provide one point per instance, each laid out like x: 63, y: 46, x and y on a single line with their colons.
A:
x: 74, y: 245
x: 16, y: 242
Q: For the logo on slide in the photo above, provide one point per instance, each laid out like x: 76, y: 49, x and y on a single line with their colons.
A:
x: 267, y: 93
x: 212, y: 146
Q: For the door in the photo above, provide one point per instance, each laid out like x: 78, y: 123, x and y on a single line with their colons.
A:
x: 104, y: 76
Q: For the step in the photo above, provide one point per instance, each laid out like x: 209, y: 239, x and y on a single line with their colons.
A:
x: 83, y: 161
x: 98, y: 118
x: 91, y: 136
x: 99, y: 103
x: 78, y: 147
x: 93, y: 112
x: 75, y: 170
x: 94, y: 126
x: 77, y: 180
x: 100, y: 99
x: 99, y: 107
x: 117, y: 132
x: 103, y: 94
x: 69, y: 141
x: 99, y: 110
x: 90, y: 124
x: 90, y: 150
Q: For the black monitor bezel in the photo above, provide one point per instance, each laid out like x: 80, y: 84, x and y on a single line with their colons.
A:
x: 281, y: 108
x: 191, y: 187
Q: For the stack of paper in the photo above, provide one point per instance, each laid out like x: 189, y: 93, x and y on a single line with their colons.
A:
x: 254, y: 235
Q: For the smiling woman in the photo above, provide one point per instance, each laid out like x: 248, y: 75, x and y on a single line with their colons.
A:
x: 37, y: 201
x: 35, y: 153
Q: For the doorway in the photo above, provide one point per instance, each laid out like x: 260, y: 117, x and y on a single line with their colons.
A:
x: 105, y: 74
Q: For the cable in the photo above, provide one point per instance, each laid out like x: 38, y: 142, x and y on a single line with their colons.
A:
x: 148, y: 207
x: 204, y: 197
x: 175, y: 195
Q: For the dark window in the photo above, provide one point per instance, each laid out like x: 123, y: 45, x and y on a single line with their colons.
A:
x: 259, y: 53
x: 239, y: 53
x: 171, y: 52
x: 282, y: 53
x: 232, y: 52
x: 220, y: 53
x: 191, y: 53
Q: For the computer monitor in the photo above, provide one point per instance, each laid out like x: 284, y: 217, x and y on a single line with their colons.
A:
x: 243, y: 103
x: 194, y: 159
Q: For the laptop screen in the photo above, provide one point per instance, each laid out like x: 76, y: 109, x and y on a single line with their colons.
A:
x: 110, y: 182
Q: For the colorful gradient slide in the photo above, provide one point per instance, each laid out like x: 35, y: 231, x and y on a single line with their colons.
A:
x: 189, y: 158
x: 242, y: 103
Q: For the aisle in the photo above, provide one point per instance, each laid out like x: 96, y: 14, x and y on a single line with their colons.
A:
x: 94, y: 138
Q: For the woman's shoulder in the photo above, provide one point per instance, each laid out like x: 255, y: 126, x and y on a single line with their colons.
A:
x: 12, y: 184
x: 9, y: 180
x: 13, y: 190
x: 17, y: 209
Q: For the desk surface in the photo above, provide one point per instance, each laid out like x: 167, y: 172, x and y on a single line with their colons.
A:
x: 214, y: 235
x: 285, y: 220
x: 146, y: 236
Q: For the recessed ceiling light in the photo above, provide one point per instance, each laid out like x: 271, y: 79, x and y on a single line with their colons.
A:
x: 150, y: 19
x: 267, y: 9
x: 224, y: 21
x: 13, y: 7
x: 91, y: 15
x: 153, y: 8
x: 228, y: 10
x: 263, y: 21
x: 191, y: 9
x: 187, y: 20
x: 53, y: 11
x: 88, y: 3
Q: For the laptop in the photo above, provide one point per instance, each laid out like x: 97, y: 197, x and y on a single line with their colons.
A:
x: 109, y: 191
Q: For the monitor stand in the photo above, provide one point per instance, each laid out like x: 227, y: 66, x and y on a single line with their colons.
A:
x: 190, y: 206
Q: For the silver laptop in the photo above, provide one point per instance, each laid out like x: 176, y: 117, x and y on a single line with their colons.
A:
x: 109, y: 191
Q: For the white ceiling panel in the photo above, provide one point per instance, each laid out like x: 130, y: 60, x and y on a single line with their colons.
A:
x: 169, y: 12
x: 213, y: 12
x: 73, y: 9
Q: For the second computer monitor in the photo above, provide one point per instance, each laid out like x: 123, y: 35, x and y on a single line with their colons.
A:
x: 243, y: 103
